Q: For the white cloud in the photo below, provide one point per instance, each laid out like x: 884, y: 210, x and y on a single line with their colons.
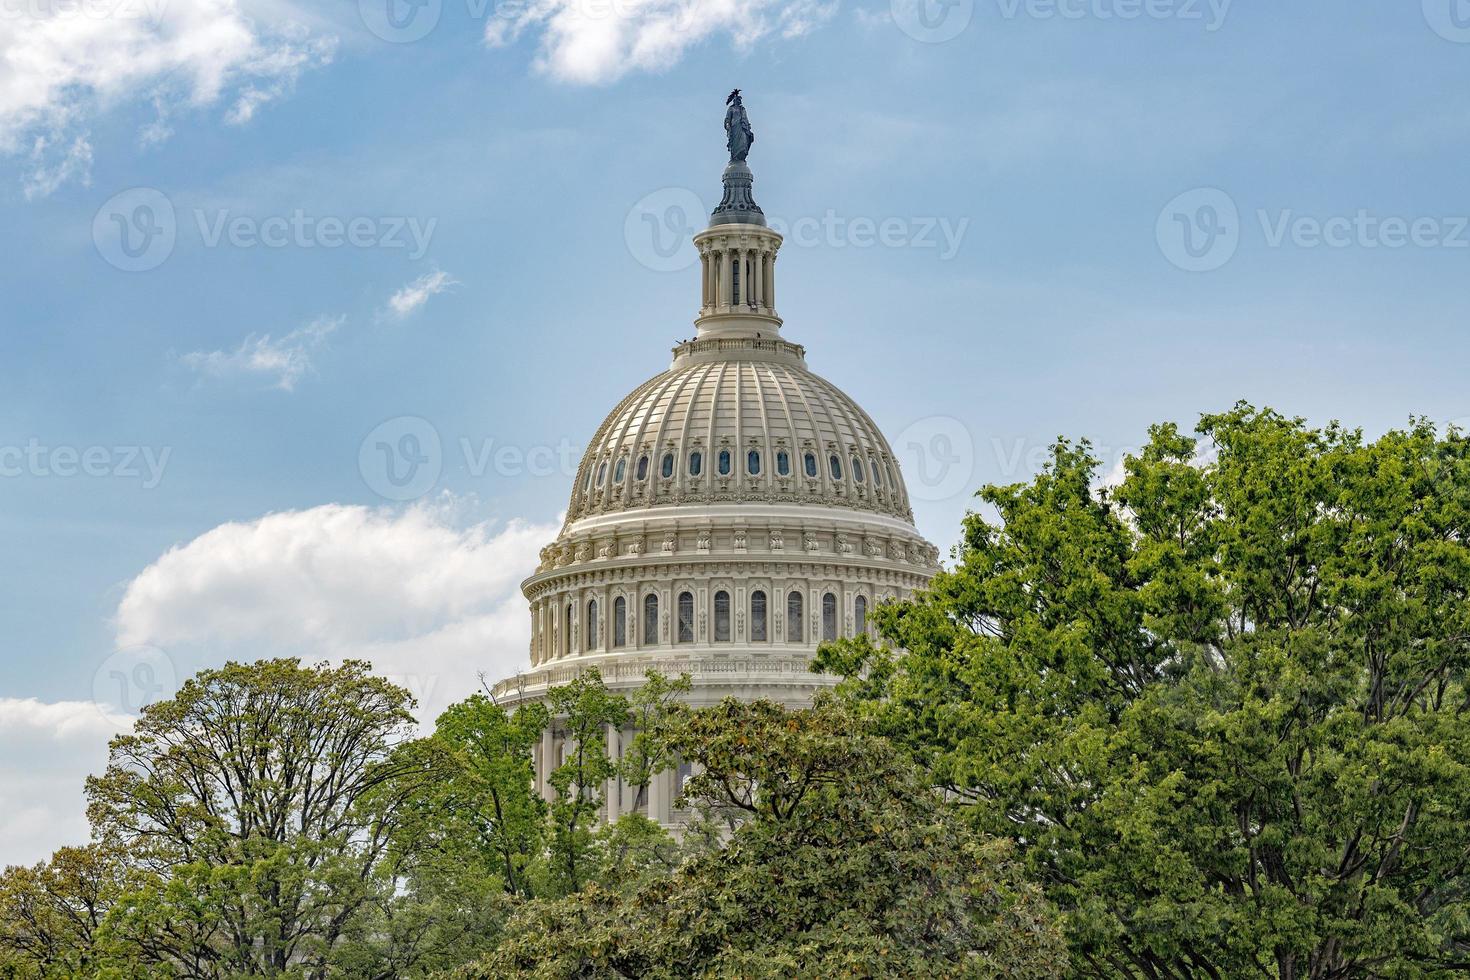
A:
x: 284, y: 360
x: 63, y: 60
x: 47, y: 750
x: 595, y: 43
x: 417, y: 293
x: 72, y: 163
x: 429, y: 601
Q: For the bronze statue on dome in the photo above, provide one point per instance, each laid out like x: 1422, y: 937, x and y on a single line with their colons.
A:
x: 738, y: 134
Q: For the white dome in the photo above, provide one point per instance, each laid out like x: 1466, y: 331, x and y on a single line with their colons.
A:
x: 738, y: 420
x: 728, y: 516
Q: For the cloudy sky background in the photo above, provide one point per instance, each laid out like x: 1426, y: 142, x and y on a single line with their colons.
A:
x: 307, y: 308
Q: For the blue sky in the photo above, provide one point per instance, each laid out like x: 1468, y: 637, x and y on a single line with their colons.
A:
x: 187, y: 468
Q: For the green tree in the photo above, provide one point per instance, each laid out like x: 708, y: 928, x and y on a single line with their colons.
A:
x: 260, y: 802
x: 484, y: 805
x: 844, y: 863
x: 50, y: 913
x: 1221, y: 709
x: 583, y: 711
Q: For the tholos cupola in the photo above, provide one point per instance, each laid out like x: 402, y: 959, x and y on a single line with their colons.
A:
x: 737, y: 251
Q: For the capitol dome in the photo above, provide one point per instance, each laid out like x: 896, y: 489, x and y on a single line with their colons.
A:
x: 728, y: 516
x: 737, y: 420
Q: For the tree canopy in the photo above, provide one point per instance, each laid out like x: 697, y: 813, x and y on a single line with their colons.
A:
x: 1220, y: 707
x: 843, y: 863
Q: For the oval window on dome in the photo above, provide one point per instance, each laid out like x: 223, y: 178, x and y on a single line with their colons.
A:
x: 724, y: 462
x: 877, y: 474
x: 696, y: 463
x: 783, y: 463
x: 753, y: 463
x: 642, y: 470
x: 857, y: 469
x: 601, y: 473
x: 811, y: 465
x: 835, y: 465
x: 667, y: 467
x: 620, y: 470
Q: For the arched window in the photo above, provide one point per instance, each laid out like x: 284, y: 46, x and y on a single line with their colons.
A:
x: 753, y: 463
x: 810, y: 462
x: 589, y: 642
x: 601, y: 473
x: 650, y: 620
x: 857, y: 469
x: 667, y: 467
x: 758, y: 616
x: 783, y: 463
x: 620, y: 470
x: 735, y: 281
x: 835, y: 465
x: 877, y: 474
x: 829, y: 616
x: 620, y: 622
x: 722, y: 616
x: 795, y: 620
x: 566, y: 630
x: 860, y: 614
x: 642, y: 470
x: 724, y: 462
x: 696, y: 463
x: 686, y: 618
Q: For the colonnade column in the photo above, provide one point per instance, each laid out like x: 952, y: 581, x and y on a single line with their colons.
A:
x: 613, y: 790
x: 547, y: 762
x: 658, y: 807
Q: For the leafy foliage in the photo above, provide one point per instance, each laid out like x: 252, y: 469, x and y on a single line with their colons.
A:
x: 844, y: 863
x: 257, y: 806
x: 1222, y: 709
x: 50, y: 914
